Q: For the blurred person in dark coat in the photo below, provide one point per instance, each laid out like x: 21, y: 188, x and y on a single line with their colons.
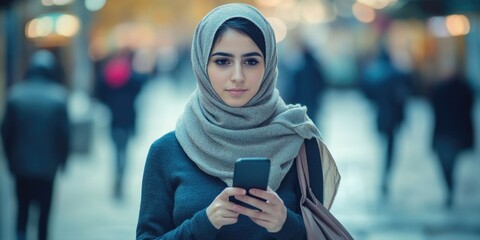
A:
x: 309, y: 82
x: 388, y: 89
x: 452, y: 101
x: 118, y: 86
x: 36, y: 137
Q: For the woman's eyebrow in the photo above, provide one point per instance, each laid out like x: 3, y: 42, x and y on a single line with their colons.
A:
x: 252, y: 54
x: 224, y: 54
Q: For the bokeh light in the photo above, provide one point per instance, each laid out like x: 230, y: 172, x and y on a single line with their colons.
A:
x: 363, y: 13
x: 279, y: 27
x: 457, y: 25
x: 67, y: 25
x: 95, y: 5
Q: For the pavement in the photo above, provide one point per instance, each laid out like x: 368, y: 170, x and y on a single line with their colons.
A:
x: 84, y: 207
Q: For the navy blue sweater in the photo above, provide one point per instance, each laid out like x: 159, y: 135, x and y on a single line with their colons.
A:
x: 176, y: 193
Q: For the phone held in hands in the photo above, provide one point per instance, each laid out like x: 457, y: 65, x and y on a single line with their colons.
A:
x: 250, y: 173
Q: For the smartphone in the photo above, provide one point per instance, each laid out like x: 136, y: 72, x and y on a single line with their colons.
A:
x: 250, y: 173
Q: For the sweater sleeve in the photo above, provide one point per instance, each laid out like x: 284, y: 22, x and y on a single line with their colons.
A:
x: 156, y: 206
x: 293, y: 228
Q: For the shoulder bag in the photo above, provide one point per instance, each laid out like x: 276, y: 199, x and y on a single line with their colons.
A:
x: 320, y: 224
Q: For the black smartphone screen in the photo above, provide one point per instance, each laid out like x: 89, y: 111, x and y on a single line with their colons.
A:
x: 250, y: 173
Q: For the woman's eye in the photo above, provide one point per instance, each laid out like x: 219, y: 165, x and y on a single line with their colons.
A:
x: 221, y: 61
x: 251, y: 61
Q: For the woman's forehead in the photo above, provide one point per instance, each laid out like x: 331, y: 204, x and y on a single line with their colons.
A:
x: 237, y: 42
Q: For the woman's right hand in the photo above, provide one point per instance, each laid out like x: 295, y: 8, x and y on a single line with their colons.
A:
x: 220, y: 212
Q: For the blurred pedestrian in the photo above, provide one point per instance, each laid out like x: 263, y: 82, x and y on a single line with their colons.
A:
x: 118, y: 86
x: 388, y: 89
x: 36, y: 137
x: 452, y: 100
x: 309, y: 82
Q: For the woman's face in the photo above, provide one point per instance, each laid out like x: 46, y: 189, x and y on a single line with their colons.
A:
x: 236, y: 68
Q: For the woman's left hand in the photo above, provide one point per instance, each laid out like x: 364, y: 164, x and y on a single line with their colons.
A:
x: 273, y: 212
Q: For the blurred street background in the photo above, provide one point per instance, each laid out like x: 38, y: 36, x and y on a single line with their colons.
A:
x: 368, y: 71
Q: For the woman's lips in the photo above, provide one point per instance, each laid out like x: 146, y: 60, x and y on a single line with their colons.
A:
x: 236, y: 92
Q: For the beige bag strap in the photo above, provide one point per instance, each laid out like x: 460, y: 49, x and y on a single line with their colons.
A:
x: 319, y: 222
x: 302, y: 174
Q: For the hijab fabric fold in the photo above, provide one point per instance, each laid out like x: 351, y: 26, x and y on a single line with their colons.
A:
x: 214, y: 134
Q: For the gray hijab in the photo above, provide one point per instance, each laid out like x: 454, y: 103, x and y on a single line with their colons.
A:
x: 214, y: 134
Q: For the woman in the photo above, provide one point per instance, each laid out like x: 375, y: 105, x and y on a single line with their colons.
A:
x: 235, y: 112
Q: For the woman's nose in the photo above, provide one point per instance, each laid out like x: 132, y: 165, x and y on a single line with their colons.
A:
x: 237, y: 74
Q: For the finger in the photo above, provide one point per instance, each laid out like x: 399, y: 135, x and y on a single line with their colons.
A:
x: 229, y: 214
x: 255, y: 202
x: 252, y: 213
x: 269, y: 195
x: 228, y: 221
x: 223, y: 217
x: 231, y: 191
x: 249, y: 212
x: 261, y: 222
x: 270, y: 226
